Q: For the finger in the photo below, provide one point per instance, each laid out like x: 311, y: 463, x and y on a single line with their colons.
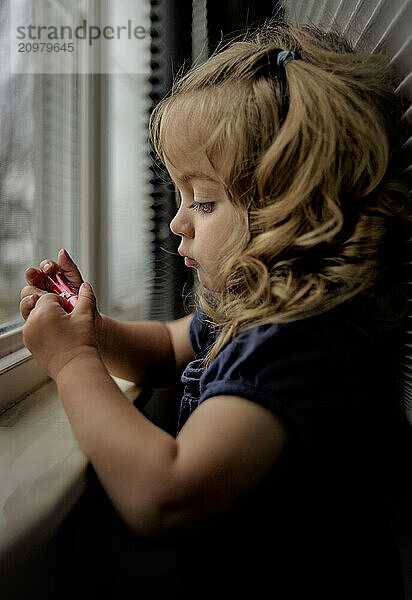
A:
x: 34, y: 277
x: 27, y: 304
x: 69, y: 268
x: 64, y: 303
x: 52, y: 298
x: 48, y: 266
x: 87, y: 299
x: 28, y: 290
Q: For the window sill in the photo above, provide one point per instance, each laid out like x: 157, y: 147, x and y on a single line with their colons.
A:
x: 43, y: 471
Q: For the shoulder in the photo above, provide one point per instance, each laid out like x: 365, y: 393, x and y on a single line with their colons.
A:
x: 323, y: 346
x: 258, y: 355
x: 308, y: 365
x: 274, y: 344
x: 336, y: 335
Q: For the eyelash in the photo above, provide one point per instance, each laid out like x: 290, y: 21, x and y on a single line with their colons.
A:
x: 201, y: 207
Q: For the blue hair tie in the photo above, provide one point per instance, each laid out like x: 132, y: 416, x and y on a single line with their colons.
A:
x: 284, y: 57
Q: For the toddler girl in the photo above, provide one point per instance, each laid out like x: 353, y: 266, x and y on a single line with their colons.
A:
x: 276, y: 484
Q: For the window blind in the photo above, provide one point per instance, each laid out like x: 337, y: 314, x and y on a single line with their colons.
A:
x: 200, y: 50
x: 171, y: 47
x: 75, y: 168
x: 128, y: 265
x: 39, y: 149
x: 378, y: 26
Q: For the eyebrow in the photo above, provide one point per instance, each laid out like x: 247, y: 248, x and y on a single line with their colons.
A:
x: 195, y: 175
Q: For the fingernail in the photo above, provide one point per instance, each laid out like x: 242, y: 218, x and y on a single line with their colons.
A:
x: 47, y: 267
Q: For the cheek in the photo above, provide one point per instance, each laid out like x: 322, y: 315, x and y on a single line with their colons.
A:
x: 233, y: 237
x: 217, y: 241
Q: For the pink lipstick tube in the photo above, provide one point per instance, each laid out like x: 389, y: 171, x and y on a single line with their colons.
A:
x: 58, y: 284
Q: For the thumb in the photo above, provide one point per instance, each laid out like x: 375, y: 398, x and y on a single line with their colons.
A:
x: 87, y: 299
x: 69, y: 268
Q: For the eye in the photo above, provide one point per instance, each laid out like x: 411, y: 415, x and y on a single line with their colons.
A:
x: 203, y: 207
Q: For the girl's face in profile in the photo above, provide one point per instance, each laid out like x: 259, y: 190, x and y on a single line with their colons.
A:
x: 205, y: 219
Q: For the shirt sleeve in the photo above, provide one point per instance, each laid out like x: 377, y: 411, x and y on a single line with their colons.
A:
x: 292, y: 369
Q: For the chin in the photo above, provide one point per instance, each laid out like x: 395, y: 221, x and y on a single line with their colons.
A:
x: 210, y: 287
x: 204, y: 282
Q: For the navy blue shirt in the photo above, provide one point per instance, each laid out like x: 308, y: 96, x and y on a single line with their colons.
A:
x: 317, y: 524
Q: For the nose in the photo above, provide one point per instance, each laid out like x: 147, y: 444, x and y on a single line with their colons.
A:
x: 181, y: 224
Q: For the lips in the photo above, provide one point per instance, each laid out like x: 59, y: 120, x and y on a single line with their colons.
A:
x: 189, y: 261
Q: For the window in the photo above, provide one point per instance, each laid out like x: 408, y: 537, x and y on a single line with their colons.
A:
x: 74, y: 169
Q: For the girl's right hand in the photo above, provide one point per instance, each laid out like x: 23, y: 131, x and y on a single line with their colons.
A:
x: 35, y: 279
x: 35, y: 288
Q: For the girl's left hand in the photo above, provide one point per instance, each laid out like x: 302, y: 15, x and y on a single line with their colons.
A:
x: 56, y: 337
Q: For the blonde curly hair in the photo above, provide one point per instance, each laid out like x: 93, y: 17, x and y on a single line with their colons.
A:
x: 305, y: 151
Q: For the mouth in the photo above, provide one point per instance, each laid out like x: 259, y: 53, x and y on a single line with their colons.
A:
x: 189, y: 262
